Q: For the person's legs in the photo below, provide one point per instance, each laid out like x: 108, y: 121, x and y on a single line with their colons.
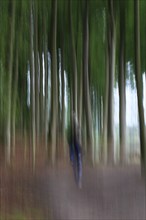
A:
x: 71, y: 153
x: 79, y: 170
x: 78, y: 166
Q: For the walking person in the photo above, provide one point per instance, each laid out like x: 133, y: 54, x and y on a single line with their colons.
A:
x: 75, y: 150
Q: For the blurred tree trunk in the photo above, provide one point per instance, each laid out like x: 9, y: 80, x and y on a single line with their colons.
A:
x: 46, y: 92
x: 98, y: 101
x: 32, y: 78
x: 74, y: 60
x: 41, y: 104
x: 84, y: 137
x: 36, y: 74
x: 9, y: 97
x: 80, y: 99
x: 86, y: 89
x: 139, y: 86
x: 105, y: 112
x: 63, y: 95
x: 14, y: 98
x: 111, y: 54
x: 41, y: 96
x: 122, y: 94
x: 45, y: 45
x: 54, y: 92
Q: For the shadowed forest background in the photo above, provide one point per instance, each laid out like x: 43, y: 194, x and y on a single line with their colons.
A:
x: 64, y: 56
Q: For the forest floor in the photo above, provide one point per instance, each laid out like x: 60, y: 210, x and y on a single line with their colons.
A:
x: 108, y: 193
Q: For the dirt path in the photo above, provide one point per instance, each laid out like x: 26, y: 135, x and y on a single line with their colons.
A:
x: 107, y: 193
x: 116, y: 193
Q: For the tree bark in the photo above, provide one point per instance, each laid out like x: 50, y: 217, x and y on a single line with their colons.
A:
x: 139, y: 86
x: 10, y: 69
x: 111, y: 54
x: 86, y: 90
x: 36, y: 76
x: 105, y: 112
x: 46, y: 95
x: 63, y: 96
x: 74, y: 60
x: 41, y: 108
x: 32, y: 74
x: 80, y: 100
x: 122, y: 94
x: 14, y: 104
x: 54, y: 94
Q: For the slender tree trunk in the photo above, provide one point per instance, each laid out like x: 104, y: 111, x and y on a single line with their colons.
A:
x: 41, y: 96
x: 14, y: 104
x: 46, y: 81
x: 105, y: 112
x: 112, y: 51
x: 59, y: 100
x: 86, y: 90
x: 80, y: 100
x: 36, y: 76
x: 25, y: 144
x: 41, y: 108
x: 122, y: 95
x: 46, y: 96
x: 32, y: 74
x: 98, y: 98
x: 84, y: 138
x: 10, y: 69
x: 139, y: 86
x: 54, y: 95
x: 74, y: 61
x: 63, y: 96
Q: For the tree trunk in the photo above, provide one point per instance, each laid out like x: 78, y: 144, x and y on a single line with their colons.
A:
x: 36, y: 76
x: 122, y: 95
x: 80, y: 100
x: 54, y: 94
x: 46, y: 95
x: 14, y: 104
x: 32, y: 74
x: 74, y: 61
x: 10, y: 69
x: 41, y: 96
x: 105, y: 112
x: 41, y: 108
x: 139, y: 86
x: 63, y: 96
x: 86, y: 90
x: 111, y: 54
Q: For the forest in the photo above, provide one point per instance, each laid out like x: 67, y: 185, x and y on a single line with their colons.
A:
x: 59, y: 57
x: 64, y: 56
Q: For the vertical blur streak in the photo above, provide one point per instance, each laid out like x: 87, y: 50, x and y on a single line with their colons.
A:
x: 139, y: 86
x: 32, y: 74
x: 122, y: 82
x: 9, y: 90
